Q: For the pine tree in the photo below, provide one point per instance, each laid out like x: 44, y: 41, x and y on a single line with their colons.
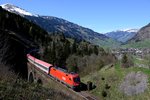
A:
x: 74, y: 47
x: 95, y: 50
x: 124, y: 59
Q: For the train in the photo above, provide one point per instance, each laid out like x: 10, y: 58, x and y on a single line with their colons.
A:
x: 72, y: 80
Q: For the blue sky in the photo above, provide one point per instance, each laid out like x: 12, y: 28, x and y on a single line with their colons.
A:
x: 99, y: 15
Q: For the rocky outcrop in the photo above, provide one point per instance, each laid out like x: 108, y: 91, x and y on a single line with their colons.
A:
x: 134, y: 83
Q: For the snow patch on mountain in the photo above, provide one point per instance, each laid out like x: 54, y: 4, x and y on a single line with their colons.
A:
x: 122, y: 35
x: 130, y: 30
x: 17, y: 10
x: 126, y: 30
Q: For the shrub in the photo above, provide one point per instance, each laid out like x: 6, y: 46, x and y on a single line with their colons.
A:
x: 127, y: 61
x: 104, y: 93
x: 107, y: 86
x: 13, y: 87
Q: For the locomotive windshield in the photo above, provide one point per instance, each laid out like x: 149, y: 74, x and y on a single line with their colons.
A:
x: 77, y: 79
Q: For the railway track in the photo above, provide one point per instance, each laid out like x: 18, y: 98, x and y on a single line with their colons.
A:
x: 82, y: 94
x: 85, y: 95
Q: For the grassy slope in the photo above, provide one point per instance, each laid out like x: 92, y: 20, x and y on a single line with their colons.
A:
x: 140, y: 44
x: 13, y: 88
x: 25, y: 91
x: 107, y: 43
x: 113, y: 77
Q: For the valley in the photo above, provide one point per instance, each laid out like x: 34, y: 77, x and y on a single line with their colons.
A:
x: 111, y: 66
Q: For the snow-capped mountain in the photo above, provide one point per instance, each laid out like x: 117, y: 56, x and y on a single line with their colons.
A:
x: 143, y: 34
x: 71, y: 30
x: 122, y: 35
x: 17, y: 10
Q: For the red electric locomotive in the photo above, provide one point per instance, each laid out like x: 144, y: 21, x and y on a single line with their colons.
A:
x: 72, y: 80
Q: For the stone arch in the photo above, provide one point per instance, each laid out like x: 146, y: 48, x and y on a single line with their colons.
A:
x: 31, y: 78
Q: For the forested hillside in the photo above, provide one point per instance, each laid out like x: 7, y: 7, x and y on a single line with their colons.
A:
x: 19, y: 36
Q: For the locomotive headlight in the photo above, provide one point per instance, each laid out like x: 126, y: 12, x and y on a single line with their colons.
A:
x: 64, y: 78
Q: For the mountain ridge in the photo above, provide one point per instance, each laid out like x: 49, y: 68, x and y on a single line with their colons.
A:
x: 143, y: 33
x: 141, y: 39
x: 122, y: 35
x: 69, y: 29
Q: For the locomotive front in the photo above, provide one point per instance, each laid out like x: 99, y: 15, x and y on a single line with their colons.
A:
x: 76, y: 81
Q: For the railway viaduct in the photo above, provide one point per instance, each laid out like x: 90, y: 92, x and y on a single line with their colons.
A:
x: 38, y: 76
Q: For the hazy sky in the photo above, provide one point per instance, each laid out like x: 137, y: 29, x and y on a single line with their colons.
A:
x: 99, y: 15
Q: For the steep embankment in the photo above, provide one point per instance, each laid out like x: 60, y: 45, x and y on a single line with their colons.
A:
x: 14, y: 33
x: 11, y: 87
x: 12, y: 53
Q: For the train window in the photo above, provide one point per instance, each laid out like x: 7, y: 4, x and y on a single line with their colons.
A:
x: 77, y: 79
x: 70, y: 79
x: 66, y: 74
x: 54, y: 69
